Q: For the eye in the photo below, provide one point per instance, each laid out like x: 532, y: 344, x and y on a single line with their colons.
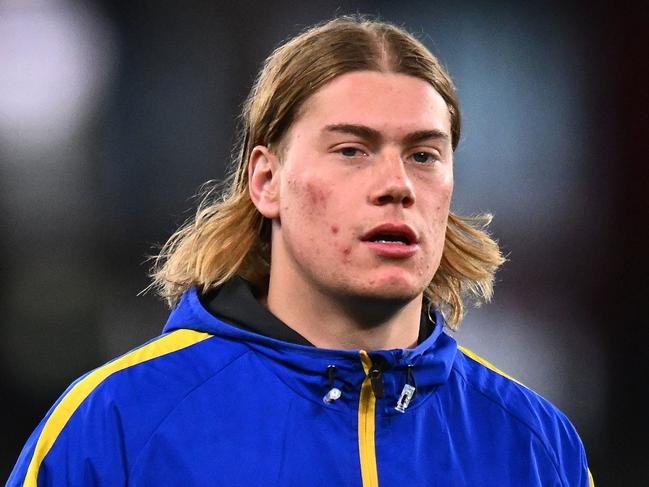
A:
x: 350, y: 151
x: 424, y: 157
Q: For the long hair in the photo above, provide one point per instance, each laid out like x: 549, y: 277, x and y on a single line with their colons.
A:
x: 228, y: 236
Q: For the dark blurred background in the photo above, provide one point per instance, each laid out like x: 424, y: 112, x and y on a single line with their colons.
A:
x: 112, y: 114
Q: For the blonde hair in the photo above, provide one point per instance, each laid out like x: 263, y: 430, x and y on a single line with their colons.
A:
x: 229, y: 237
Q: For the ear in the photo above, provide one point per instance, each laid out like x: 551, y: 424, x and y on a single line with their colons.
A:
x: 263, y: 181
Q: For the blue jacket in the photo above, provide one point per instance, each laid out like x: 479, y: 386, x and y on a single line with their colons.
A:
x: 207, y: 403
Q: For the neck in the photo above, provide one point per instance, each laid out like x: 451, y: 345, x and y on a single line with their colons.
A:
x: 346, y: 323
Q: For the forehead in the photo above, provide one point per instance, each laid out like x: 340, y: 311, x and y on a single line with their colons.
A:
x: 384, y: 101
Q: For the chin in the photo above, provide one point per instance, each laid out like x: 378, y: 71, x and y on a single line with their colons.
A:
x: 372, y: 304
x: 393, y: 289
x: 396, y: 294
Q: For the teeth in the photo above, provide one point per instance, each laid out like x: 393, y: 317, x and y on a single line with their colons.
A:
x: 391, y: 241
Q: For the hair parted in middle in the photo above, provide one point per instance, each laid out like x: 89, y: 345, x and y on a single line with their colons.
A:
x: 228, y: 236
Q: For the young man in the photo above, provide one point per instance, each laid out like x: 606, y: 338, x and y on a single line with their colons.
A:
x: 307, y: 344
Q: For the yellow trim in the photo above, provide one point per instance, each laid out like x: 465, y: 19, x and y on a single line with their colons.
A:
x: 65, y: 409
x: 366, y: 418
x: 489, y: 365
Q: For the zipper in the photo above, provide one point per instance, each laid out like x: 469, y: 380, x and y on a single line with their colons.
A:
x: 372, y: 386
x: 408, y: 392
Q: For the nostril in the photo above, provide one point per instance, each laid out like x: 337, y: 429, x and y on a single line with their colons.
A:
x: 385, y: 199
x: 408, y: 201
x: 393, y: 189
x: 405, y: 199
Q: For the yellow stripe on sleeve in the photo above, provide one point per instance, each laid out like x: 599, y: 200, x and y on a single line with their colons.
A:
x: 477, y: 358
x: 172, y: 342
x: 489, y: 365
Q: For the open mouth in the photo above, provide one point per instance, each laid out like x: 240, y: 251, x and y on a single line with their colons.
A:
x: 389, y: 233
x: 390, y: 238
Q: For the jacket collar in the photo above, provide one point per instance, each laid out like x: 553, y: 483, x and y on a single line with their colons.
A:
x: 235, y: 303
x: 303, y: 368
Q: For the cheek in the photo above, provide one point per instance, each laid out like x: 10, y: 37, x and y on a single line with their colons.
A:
x: 437, y: 218
x: 310, y: 216
x: 309, y: 197
x: 323, y: 215
x: 315, y: 221
x: 441, y: 201
x: 445, y: 191
x: 345, y: 253
x: 318, y: 196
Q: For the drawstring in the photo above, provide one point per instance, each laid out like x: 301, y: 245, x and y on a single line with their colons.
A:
x: 334, y: 393
x: 408, y: 392
x: 376, y: 378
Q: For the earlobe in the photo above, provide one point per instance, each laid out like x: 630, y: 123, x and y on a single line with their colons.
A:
x: 263, y: 181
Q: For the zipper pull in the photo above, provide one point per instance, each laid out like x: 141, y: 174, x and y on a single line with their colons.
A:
x: 334, y: 393
x: 376, y: 379
x: 408, y: 391
x: 331, y: 396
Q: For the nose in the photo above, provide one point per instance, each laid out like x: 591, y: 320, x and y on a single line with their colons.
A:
x: 392, y: 183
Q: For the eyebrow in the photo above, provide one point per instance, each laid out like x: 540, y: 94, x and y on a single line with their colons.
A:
x: 374, y: 135
x: 362, y: 131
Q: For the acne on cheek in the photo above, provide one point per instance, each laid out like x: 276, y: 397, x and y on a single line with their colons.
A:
x: 318, y: 197
x: 424, y: 270
x: 346, y: 251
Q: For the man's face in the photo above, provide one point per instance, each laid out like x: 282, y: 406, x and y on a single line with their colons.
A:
x: 364, y: 188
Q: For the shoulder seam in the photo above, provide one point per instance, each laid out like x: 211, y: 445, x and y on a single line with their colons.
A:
x: 175, y: 406
x: 493, y: 369
x: 77, y: 394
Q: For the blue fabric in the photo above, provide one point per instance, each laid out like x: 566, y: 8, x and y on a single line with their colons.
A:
x: 240, y: 409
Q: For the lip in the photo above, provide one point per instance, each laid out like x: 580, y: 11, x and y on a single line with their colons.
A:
x: 392, y: 249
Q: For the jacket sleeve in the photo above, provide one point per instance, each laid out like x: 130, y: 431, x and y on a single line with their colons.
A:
x: 80, y: 446
x: 98, y: 427
x: 19, y: 473
x: 570, y: 454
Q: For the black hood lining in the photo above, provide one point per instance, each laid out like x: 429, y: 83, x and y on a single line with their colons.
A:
x: 236, y: 303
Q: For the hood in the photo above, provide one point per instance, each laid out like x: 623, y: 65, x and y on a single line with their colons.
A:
x: 307, y: 370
